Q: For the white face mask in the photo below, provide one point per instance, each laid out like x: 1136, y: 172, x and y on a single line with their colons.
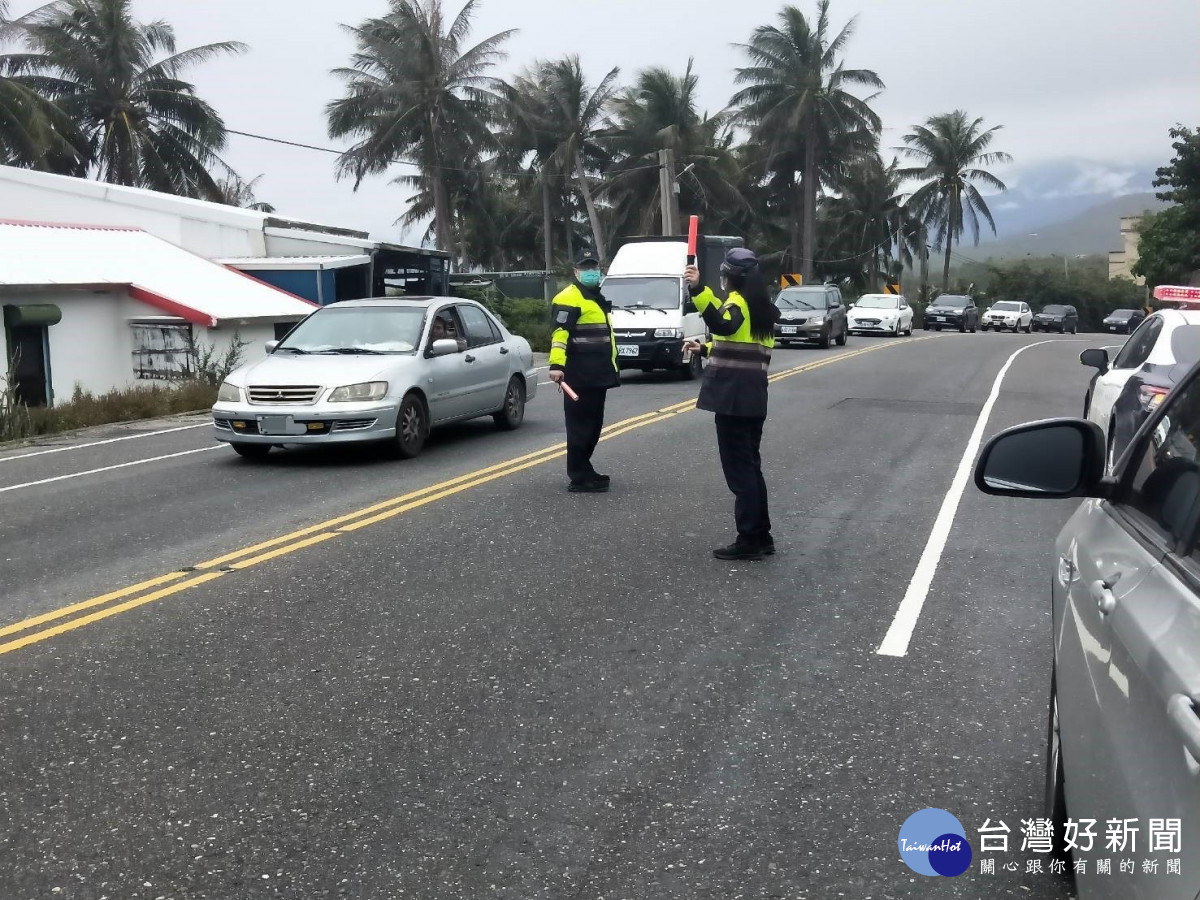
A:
x: 724, y: 285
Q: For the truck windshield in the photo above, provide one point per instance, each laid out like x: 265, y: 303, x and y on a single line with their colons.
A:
x: 652, y: 292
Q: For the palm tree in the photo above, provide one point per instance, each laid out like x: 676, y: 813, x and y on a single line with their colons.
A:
x: 951, y: 148
x: 869, y: 210
x: 659, y: 113
x: 562, y: 119
x: 141, y: 123
x: 235, y: 191
x: 797, y: 102
x: 414, y: 90
x: 33, y: 131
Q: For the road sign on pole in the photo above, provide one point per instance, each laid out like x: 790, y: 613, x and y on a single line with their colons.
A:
x: 786, y: 281
x: 892, y: 289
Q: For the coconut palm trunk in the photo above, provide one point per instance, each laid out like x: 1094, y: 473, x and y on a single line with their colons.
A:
x: 593, y: 213
x: 809, y: 186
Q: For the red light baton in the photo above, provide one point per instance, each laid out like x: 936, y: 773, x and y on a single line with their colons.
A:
x: 566, y: 389
x: 693, y: 238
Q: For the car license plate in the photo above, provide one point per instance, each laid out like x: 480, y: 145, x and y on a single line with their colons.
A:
x: 279, y: 425
x: 1112, y: 327
x: 788, y: 329
x: 939, y: 318
x: 627, y: 349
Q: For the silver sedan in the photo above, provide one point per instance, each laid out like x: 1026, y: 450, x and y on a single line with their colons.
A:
x: 377, y: 370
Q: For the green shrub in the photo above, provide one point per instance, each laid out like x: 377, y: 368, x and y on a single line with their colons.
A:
x: 528, y: 317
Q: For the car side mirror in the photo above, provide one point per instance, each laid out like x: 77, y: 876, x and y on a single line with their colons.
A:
x: 1095, y: 358
x: 443, y: 347
x: 271, y: 345
x: 1051, y: 459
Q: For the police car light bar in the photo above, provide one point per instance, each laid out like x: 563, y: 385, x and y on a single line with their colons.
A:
x: 1169, y: 293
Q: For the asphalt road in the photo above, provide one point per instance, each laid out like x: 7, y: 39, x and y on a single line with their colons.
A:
x: 341, y: 675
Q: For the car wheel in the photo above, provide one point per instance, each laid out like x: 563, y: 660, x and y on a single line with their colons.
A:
x: 962, y: 327
x: 926, y: 328
x: 693, y: 369
x: 412, y: 426
x: 252, y: 451
x: 1055, y: 794
x: 1029, y: 328
x: 512, y: 414
x: 841, y: 341
x: 824, y: 341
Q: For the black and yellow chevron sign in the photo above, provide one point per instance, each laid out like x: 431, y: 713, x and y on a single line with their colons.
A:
x: 892, y: 289
x: 786, y: 281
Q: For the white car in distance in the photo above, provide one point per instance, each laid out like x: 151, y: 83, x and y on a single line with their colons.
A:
x: 1012, y: 314
x: 880, y: 314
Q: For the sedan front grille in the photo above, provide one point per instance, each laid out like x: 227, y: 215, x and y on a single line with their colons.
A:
x: 284, y: 394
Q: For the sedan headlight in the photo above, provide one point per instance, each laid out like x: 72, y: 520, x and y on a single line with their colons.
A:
x: 817, y: 320
x: 368, y: 390
x: 229, y: 393
x: 668, y: 332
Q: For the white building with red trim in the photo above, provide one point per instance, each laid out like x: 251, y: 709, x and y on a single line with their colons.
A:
x: 110, y: 308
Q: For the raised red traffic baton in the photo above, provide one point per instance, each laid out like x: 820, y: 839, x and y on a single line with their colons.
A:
x: 693, y: 238
x: 566, y: 389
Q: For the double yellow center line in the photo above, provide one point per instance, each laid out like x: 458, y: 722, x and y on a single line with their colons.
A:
x: 68, y: 618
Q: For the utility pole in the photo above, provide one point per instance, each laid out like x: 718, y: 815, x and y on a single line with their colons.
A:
x: 666, y: 190
x: 548, y: 238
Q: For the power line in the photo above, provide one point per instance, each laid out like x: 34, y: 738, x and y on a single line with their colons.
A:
x: 416, y: 165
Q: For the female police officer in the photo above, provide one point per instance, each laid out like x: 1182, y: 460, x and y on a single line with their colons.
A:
x: 735, y: 388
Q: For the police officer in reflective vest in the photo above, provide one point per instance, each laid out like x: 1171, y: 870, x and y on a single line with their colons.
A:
x: 735, y: 388
x: 583, y: 354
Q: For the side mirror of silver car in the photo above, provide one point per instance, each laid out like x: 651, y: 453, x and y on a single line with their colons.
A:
x: 271, y: 345
x: 1055, y: 458
x: 444, y: 347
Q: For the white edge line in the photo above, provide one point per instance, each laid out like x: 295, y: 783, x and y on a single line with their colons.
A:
x: 124, y: 465
x: 128, y: 437
x: 895, y: 642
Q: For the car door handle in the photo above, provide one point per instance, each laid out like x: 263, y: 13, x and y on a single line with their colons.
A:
x: 504, y: 351
x: 1102, y: 593
x: 1181, y: 710
x: 469, y: 358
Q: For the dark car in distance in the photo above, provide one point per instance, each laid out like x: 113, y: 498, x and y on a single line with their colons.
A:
x: 811, y: 313
x: 1123, y: 321
x: 1059, y: 317
x: 952, y: 311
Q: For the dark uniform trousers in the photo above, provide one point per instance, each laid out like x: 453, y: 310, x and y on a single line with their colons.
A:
x: 738, y: 440
x: 585, y: 421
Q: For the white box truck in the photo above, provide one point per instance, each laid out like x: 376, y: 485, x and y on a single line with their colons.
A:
x: 652, y: 310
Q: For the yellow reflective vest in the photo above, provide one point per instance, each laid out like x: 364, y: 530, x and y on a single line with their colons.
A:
x: 735, y: 381
x: 583, y: 346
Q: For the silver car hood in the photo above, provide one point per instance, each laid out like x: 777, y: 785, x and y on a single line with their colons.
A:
x: 329, y: 371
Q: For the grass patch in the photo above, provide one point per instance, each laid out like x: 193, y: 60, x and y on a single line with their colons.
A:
x: 85, y: 409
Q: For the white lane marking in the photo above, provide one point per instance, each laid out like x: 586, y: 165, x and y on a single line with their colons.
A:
x: 130, y: 437
x: 895, y: 642
x: 124, y: 465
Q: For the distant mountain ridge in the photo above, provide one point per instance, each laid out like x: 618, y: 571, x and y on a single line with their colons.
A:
x: 1096, y: 230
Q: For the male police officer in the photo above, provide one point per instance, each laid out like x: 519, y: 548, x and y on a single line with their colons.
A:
x: 583, y: 354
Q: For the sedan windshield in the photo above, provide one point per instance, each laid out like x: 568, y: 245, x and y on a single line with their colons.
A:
x: 1007, y: 306
x: 1121, y: 314
x: 801, y: 299
x: 1054, y: 310
x: 631, y: 293
x: 951, y: 302
x: 357, y: 329
x: 878, y: 301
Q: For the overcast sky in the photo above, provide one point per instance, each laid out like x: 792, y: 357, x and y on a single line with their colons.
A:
x: 1098, y: 81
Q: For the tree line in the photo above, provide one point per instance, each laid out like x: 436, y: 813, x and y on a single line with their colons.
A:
x: 520, y: 173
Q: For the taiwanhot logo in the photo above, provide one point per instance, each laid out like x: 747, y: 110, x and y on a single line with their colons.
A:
x: 933, y: 842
